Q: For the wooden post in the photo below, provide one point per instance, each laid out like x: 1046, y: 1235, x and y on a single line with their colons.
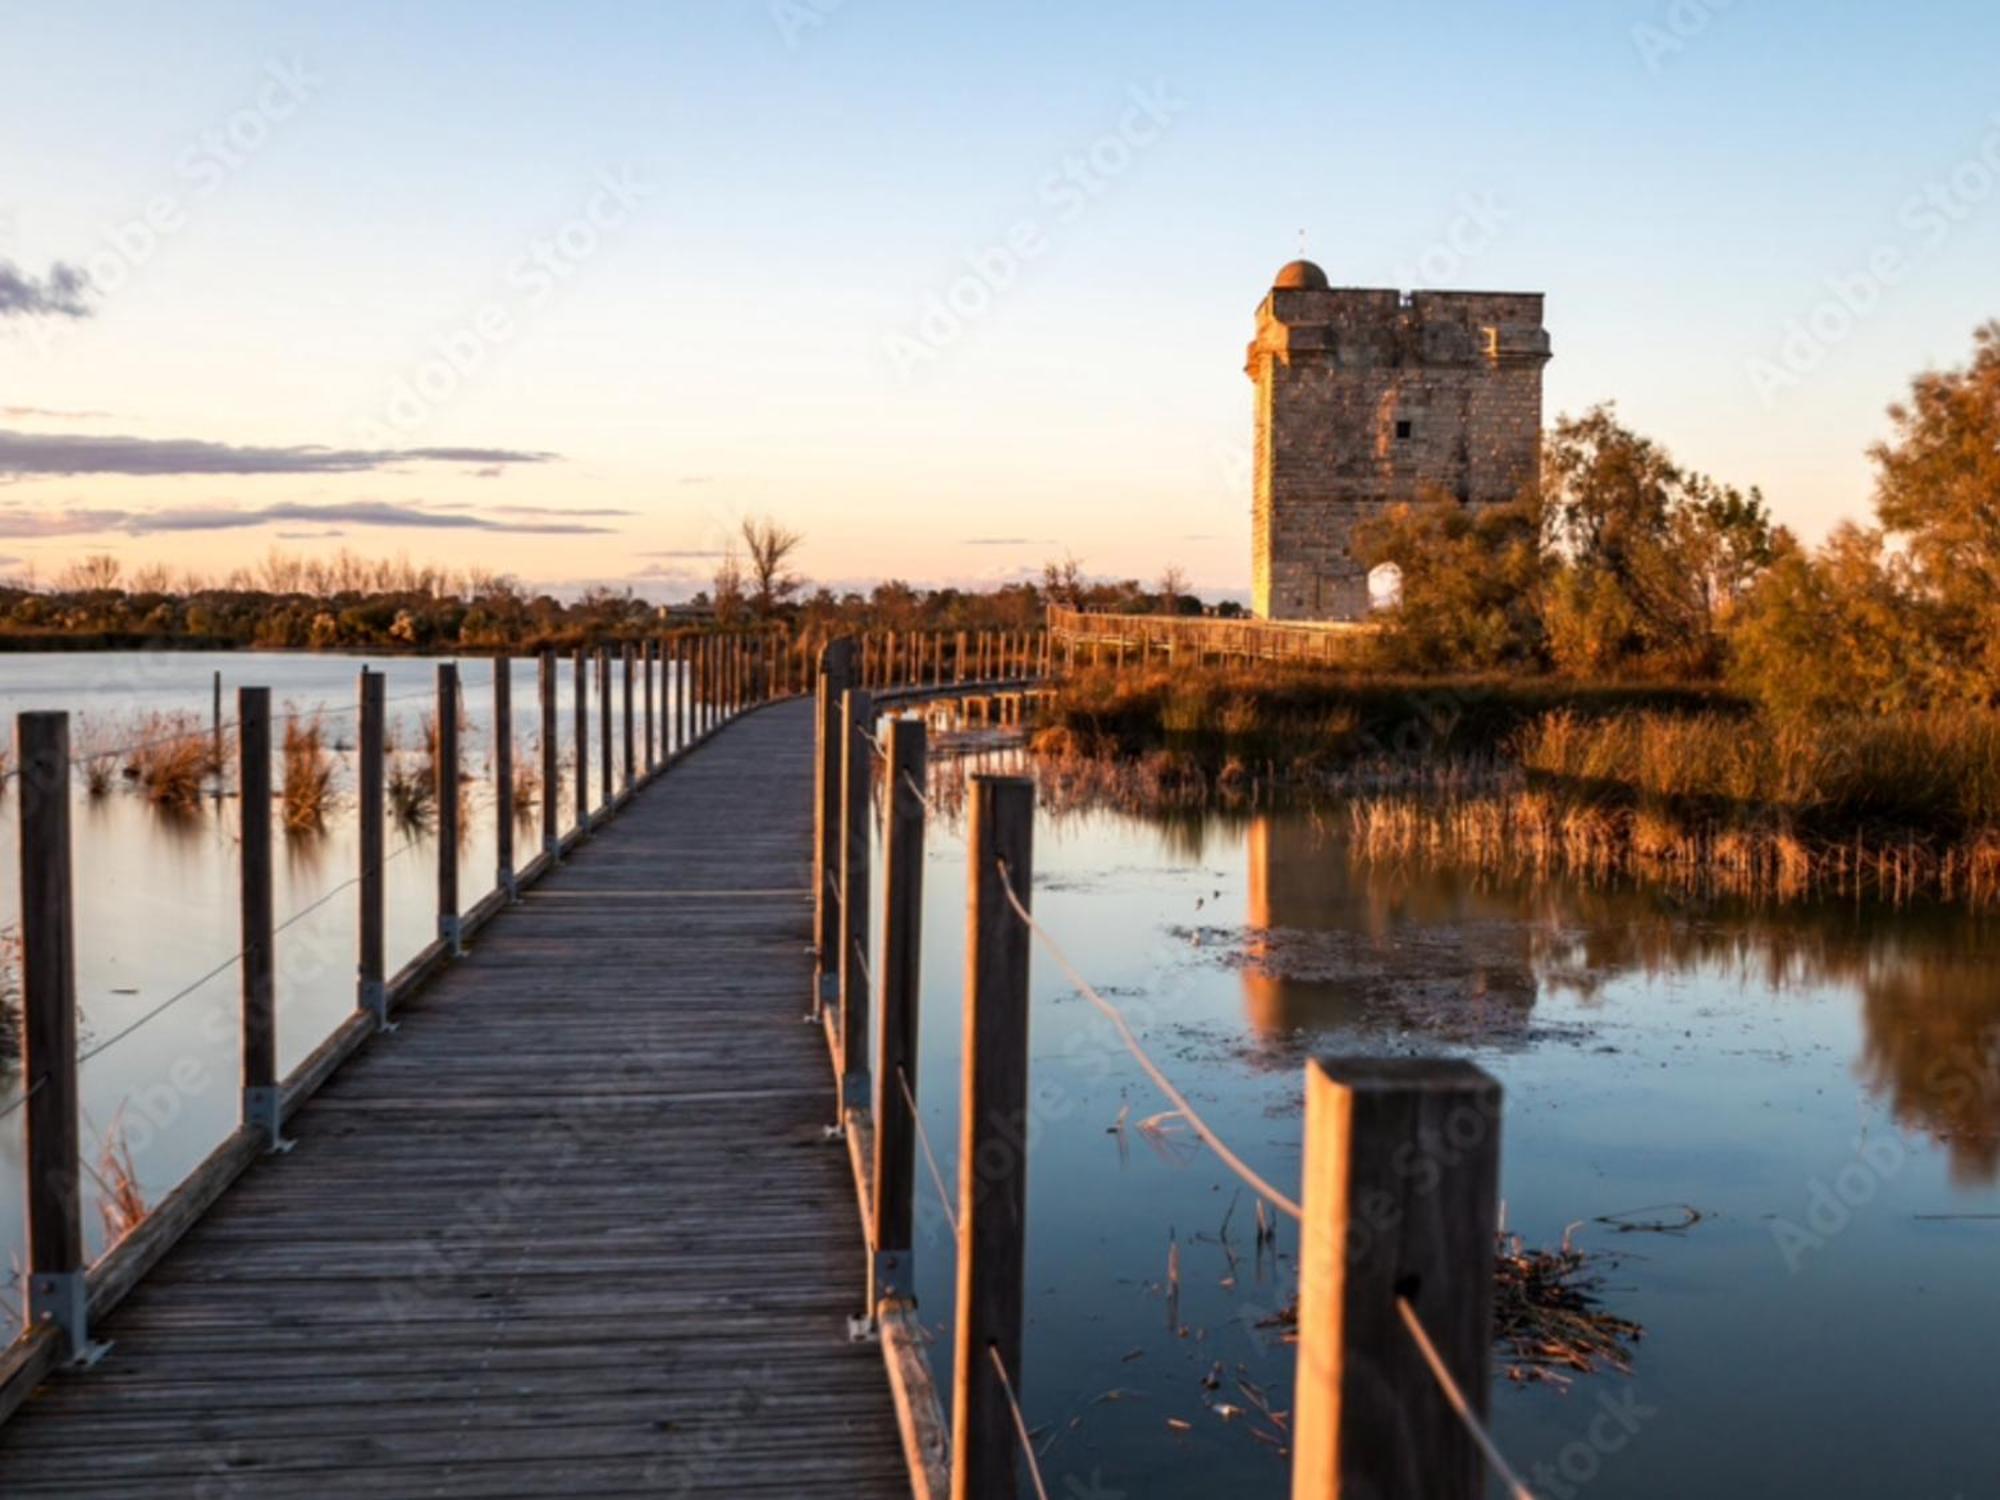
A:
x: 503, y: 776
x: 607, y: 768
x: 580, y: 711
x: 260, y: 1021
x: 215, y: 721
x: 683, y: 693
x: 1401, y: 1182
x: 371, y: 969
x: 649, y: 659
x: 836, y: 675
x: 447, y: 801
x: 857, y: 775
x: 57, y: 1294
x: 631, y: 723
x: 551, y: 762
x: 896, y: 1050
x: 958, y: 661
x: 993, y: 1165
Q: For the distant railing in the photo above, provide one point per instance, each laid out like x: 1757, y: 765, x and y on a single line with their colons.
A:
x: 693, y: 684
x: 1397, y: 1213
x: 1083, y: 638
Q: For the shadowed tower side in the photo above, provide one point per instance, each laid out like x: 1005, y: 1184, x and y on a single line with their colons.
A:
x: 1370, y: 398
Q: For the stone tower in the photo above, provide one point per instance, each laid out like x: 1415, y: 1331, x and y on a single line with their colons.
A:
x: 1368, y: 398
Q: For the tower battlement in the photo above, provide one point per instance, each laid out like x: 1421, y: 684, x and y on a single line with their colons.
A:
x: 1367, y: 398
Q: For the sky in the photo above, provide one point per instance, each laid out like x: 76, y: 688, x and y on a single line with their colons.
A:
x: 569, y: 290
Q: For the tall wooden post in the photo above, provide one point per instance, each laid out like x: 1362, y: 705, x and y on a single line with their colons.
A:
x: 993, y: 1166
x: 57, y: 1294
x: 683, y: 695
x: 631, y: 721
x: 371, y: 967
x: 836, y: 675
x: 551, y: 761
x: 857, y: 775
x: 580, y: 712
x: 896, y: 1049
x: 649, y: 653
x: 260, y: 1020
x: 1421, y: 1136
x: 447, y: 799
x: 607, y: 771
x: 503, y: 776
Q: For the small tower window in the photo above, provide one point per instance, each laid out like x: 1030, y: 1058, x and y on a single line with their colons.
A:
x: 1404, y: 429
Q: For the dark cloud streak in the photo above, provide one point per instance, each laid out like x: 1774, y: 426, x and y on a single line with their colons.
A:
x: 17, y: 523
x: 60, y: 294
x: 65, y: 454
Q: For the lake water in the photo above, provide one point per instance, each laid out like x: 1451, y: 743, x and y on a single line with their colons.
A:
x: 1818, y: 1082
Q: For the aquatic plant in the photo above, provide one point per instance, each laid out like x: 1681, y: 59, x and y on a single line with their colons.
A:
x: 172, y: 759
x: 307, y: 771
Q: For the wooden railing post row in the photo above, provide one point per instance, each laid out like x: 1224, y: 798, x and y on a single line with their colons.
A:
x: 857, y: 776
x: 261, y: 1100
x: 448, y: 930
x: 580, y: 714
x: 503, y: 776
x: 993, y: 1166
x: 895, y: 1174
x: 1422, y: 1136
x: 551, y: 760
x: 371, y: 987
x: 57, y: 1295
x: 683, y: 693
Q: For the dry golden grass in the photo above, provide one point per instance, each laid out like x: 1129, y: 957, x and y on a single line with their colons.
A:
x: 120, y: 1200
x: 172, y: 759
x: 307, y: 773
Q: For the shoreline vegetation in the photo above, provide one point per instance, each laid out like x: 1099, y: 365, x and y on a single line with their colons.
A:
x: 1686, y: 786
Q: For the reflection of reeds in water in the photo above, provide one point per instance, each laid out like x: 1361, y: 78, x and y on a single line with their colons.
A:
x: 120, y: 1200
x: 172, y: 759
x: 307, y: 792
x: 1547, y: 833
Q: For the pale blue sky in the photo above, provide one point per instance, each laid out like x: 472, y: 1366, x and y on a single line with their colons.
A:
x: 747, y: 335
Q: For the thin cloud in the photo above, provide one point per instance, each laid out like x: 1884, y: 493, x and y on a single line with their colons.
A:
x: 1009, y: 541
x: 696, y: 479
x: 554, y: 510
x: 685, y: 553
x: 51, y: 413
x: 60, y: 294
x: 62, y: 454
x: 383, y: 513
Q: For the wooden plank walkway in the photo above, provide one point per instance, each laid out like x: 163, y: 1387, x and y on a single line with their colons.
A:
x: 573, y: 1230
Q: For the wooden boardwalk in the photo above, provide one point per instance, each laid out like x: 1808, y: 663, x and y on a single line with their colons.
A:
x: 572, y: 1230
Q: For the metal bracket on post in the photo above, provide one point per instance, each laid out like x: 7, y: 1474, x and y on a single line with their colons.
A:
x: 375, y: 1000
x: 61, y: 1300
x: 452, y: 931
x: 263, y: 1110
x: 509, y: 882
x: 862, y: 1330
x: 827, y: 993
x: 896, y: 1276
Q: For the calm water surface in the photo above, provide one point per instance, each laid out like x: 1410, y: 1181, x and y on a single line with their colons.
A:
x: 1817, y: 1081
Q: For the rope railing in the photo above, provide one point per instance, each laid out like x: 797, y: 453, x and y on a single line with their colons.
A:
x: 929, y: 1155
x: 1020, y: 1423
x: 1456, y: 1399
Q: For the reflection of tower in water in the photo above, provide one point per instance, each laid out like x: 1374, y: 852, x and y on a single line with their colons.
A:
x: 1336, y: 943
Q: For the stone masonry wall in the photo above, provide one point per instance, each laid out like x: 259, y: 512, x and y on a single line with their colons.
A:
x: 1366, y: 399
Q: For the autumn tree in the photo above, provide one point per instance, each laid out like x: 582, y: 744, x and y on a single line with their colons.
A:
x: 1471, y: 583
